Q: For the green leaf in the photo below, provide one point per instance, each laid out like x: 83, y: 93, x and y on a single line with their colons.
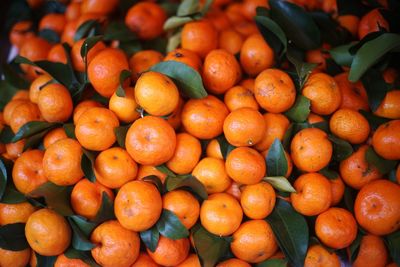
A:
x: 186, y: 78
x: 7, y: 92
x: 303, y: 69
x: 354, y: 247
x: 371, y: 52
x: 300, y: 110
x: 125, y: 74
x: 12, y: 195
x: 209, y: 247
x: 384, y: 166
x: 322, y: 125
x: 130, y: 47
x: 45, y: 261
x: 49, y: 35
x: 297, y: 24
x: 69, y: 129
x: 87, y: 164
x: 174, y: 41
x: 277, y: 164
x: 280, y: 183
x: 291, y: 232
x: 164, y: 169
x: 33, y: 127
x: 5, y: 170
x: 175, y: 22
x: 86, y: 29
x: 106, y: 211
x: 373, y: 120
x: 13, y: 78
x: 187, y: 7
x: 328, y: 173
x: 85, y: 256
x: 273, y: 263
x: 84, y: 225
x: 34, y: 140
x: 170, y: 226
x: 88, y: 44
x: 150, y: 238
x: 393, y: 244
x: 120, y: 133
x: 206, y: 7
x: 56, y: 197
x: 6, y: 135
x: 341, y: 148
x: 341, y: 55
x: 186, y: 181
x: 12, y: 237
x: 376, y: 87
x: 156, y: 181
x: 224, y: 146
x: 79, y: 240
x: 349, y: 198
x: 117, y: 30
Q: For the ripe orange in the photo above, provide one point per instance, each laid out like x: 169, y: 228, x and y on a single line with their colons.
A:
x: 276, y: 126
x: 175, y: 118
x: 249, y: 7
x: 143, y: 61
x: 53, y: 136
x: 256, y: 55
x: 82, y: 107
x: 57, y: 54
x: 15, y: 258
x: 55, y: 103
x: 372, y: 252
x: 124, y: 107
x: 230, y: 40
x: 233, y: 262
x: 73, y: 11
x: 53, y: 21
x: 170, y: 252
x: 234, y: 190
x: 354, y: 95
x: 147, y: 170
x: 14, y: 150
x: 20, y: 32
x: 213, y: 149
x: 185, y: 56
x: 15, y: 213
x: 390, y: 106
x: 144, y: 260
x: 371, y: 22
x: 69, y: 32
x: 386, y: 140
x: 239, y: 97
x: 77, y: 60
x: 34, y: 49
x: 64, y: 261
x: 36, y: 85
x: 318, y: 256
x: 338, y: 188
x: 258, y: 200
x: 103, y: 7
x: 23, y: 113
x: 200, y: 37
x: 191, y: 261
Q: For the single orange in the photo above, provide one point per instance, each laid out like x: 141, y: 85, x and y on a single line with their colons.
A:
x: 15, y: 258
x: 15, y: 213
x: 36, y: 86
x: 386, y: 140
x: 143, y: 61
x: 55, y: 103
x: 372, y: 252
x: 53, y: 136
x: 53, y: 21
x: 185, y: 56
x: 258, y: 200
x: 170, y: 252
x: 318, y: 256
x: 276, y: 127
x: 82, y: 107
x: 200, y: 37
x: 239, y: 97
x: 256, y: 55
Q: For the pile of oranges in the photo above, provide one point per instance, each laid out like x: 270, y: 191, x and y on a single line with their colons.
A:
x: 178, y: 168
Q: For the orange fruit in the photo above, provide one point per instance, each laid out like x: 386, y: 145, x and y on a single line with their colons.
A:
x: 115, y: 245
x: 249, y: 7
x: 95, y: 129
x: 371, y: 22
x: 191, y: 261
x: 218, y: 18
x: 138, y: 205
x: 151, y: 91
x: 355, y: 170
x: 104, y: 70
x: 258, y: 200
x: 87, y: 197
x: 64, y: 261
x: 15, y: 213
x: 311, y: 149
x: 73, y: 11
x: 246, y: 28
x: 390, y: 106
x: 239, y: 97
x: 34, y: 49
x: 147, y: 170
x: 53, y: 21
x: 314, y: 118
x: 62, y: 162
x: 204, y: 118
x: 175, y: 118
x: 350, y: 23
x: 323, y: 92
x: 313, y: 194
x: 372, y: 252
x: 276, y: 126
x: 244, y: 127
x: 256, y: 55
x: 82, y: 107
x: 103, y: 7
x: 213, y: 149
x: 68, y: 34
x: 144, y: 260
x: 234, y: 190
x: 212, y: 174
x: 57, y: 54
x: 200, y: 37
x: 187, y: 154
x: 23, y: 113
x: 77, y: 60
x: 20, y: 32
x: 337, y: 188
x: 336, y: 228
x: 376, y: 207
x: 254, y: 241
x: 47, y: 232
x: 221, y: 71
x: 170, y: 252
x: 386, y: 140
x: 151, y: 141
x: 230, y: 40
x: 53, y: 136
x: 318, y: 256
x: 124, y: 107
x: 354, y: 95
x: 185, y: 56
x: 274, y: 90
x: 248, y: 84
x: 9, y: 109
x: 21, y: 94
x: 245, y: 165
x: 15, y: 258
x: 55, y: 103
x: 234, y: 12
x: 221, y: 214
x: 146, y: 19
x: 36, y: 86
x: 318, y: 57
x: 143, y: 61
x: 233, y: 262
x: 14, y: 150
x: 28, y: 171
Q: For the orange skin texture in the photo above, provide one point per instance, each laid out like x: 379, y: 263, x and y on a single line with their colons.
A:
x: 218, y: 18
x: 337, y: 187
x: 248, y: 84
x: 64, y: 261
x: 372, y: 252
x: 151, y: 141
x: 376, y: 207
x: 28, y: 172
x: 57, y: 54
x: 246, y: 28
x: 156, y: 93
x: 212, y: 174
x: 21, y: 94
x: 53, y: 21
x: 233, y: 263
x: 53, y: 136
x: 175, y: 118
x: 245, y: 165
x: 144, y: 260
x: 249, y: 7
x: 239, y: 97
x: 15, y: 213
x: 258, y: 200
x: 204, y: 118
x: 256, y: 55
x: 254, y: 241
x: 244, y: 127
x: 213, y: 149
x: 336, y: 228
x: 138, y: 205
x: 86, y: 198
x: 318, y: 256
x: 184, y: 205
x: 323, y: 92
x: 354, y: 95
x: 20, y: 32
x: 147, y: 170
x: 77, y: 60
x: 170, y: 252
x: 23, y: 113
x: 350, y: 23
x: 318, y: 57
x: 124, y: 107
x: 34, y: 49
x: 390, y: 106
x: 55, y: 103
x: 234, y: 12
x: 14, y: 150
x: 146, y: 20
x: 200, y: 37
x: 371, y: 22
x: 143, y: 61
x: 69, y: 31
x: 62, y: 162
x: 274, y: 90
x: 82, y: 107
x: 115, y: 245
x: 221, y: 71
x: 349, y: 125
x: 9, y: 109
x: 104, y: 70
x: 103, y: 7
x: 95, y: 129
x: 234, y: 190
x: 15, y: 258
x: 185, y: 56
x: 276, y: 126
x: 90, y: 16
x: 221, y: 214
x: 191, y: 261
x: 313, y: 194
x: 187, y: 154
x: 355, y: 170
x: 47, y: 232
x: 230, y: 40
x: 386, y: 140
x: 73, y: 11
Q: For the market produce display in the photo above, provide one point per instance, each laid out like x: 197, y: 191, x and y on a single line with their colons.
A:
x: 201, y: 133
